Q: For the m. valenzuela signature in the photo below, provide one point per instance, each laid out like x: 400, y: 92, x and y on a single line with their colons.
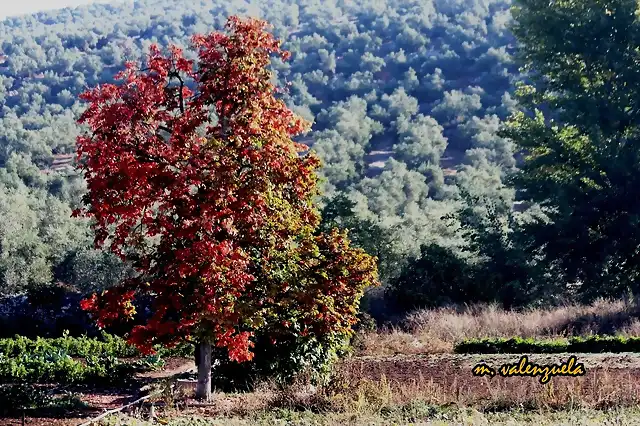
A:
x: 524, y: 367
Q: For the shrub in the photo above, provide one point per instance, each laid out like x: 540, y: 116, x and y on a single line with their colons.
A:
x: 59, y: 367
x: 16, y: 397
x: 107, y: 345
x: 590, y: 344
x: 604, y: 344
x: 436, y: 278
x: 283, y: 361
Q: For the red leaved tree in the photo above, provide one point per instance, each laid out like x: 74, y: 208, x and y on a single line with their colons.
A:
x: 194, y: 178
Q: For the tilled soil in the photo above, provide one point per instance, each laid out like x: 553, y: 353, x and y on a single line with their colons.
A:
x: 448, y: 379
x: 448, y: 366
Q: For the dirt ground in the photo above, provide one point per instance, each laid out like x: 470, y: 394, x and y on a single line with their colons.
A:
x: 446, y: 374
x: 406, y: 367
x: 607, y: 376
x: 100, y: 401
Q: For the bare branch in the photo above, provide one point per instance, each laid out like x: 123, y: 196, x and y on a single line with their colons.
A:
x: 176, y: 75
x: 165, y: 129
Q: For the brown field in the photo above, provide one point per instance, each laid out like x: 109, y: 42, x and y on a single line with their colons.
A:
x: 408, y: 375
x: 437, y: 331
x: 367, y: 386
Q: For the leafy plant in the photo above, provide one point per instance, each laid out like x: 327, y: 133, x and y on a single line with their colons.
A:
x: 107, y: 345
x: 150, y: 362
x: 58, y: 367
x: 589, y: 344
x: 16, y: 397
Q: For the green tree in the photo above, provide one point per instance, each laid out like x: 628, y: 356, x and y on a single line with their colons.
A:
x: 23, y: 255
x: 364, y: 232
x: 578, y: 125
x: 421, y: 141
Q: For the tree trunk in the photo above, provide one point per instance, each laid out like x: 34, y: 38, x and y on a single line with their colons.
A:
x: 203, y: 390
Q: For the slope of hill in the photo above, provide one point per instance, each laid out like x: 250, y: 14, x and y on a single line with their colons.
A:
x: 407, y: 96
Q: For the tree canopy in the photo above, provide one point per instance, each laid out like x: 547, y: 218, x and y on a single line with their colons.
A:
x: 578, y: 126
x: 406, y: 101
x: 402, y: 80
x: 205, y: 193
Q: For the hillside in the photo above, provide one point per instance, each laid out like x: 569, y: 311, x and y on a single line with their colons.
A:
x: 480, y: 160
x: 406, y: 95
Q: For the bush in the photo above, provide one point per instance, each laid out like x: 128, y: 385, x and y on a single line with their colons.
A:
x: 50, y: 311
x: 47, y: 315
x: 438, y: 277
x: 605, y: 344
x: 16, y: 397
x: 59, y: 367
x: 283, y: 362
x: 106, y: 345
x: 511, y: 346
x: 52, y: 360
x: 590, y: 344
x: 366, y: 323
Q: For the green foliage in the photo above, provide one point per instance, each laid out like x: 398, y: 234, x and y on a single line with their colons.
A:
x: 491, y: 265
x: 393, y: 79
x: 82, y: 347
x: 150, y: 362
x: 16, y: 397
x: 578, y: 125
x: 58, y: 367
x: 437, y: 277
x: 366, y: 323
x: 421, y: 141
x: 283, y: 361
x: 296, y: 339
x: 91, y: 270
x: 367, y: 233
x: 496, y: 251
x: 511, y: 345
x: 77, y: 347
x: 69, y: 360
x: 614, y: 344
x: 517, y: 345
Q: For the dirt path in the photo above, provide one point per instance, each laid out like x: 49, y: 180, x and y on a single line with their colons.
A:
x: 172, y: 367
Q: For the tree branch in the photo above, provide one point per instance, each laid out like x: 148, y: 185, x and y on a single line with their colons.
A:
x: 165, y: 129
x: 176, y: 75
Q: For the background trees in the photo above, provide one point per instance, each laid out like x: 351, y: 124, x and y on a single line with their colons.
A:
x: 380, y: 80
x: 407, y: 99
x: 579, y: 127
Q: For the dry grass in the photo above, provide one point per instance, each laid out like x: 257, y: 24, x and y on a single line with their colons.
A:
x: 439, y: 389
x: 438, y: 330
x: 403, y: 417
x: 374, y: 386
x: 354, y: 399
x: 368, y: 387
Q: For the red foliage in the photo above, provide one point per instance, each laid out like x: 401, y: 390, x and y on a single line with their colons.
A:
x: 204, y: 207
